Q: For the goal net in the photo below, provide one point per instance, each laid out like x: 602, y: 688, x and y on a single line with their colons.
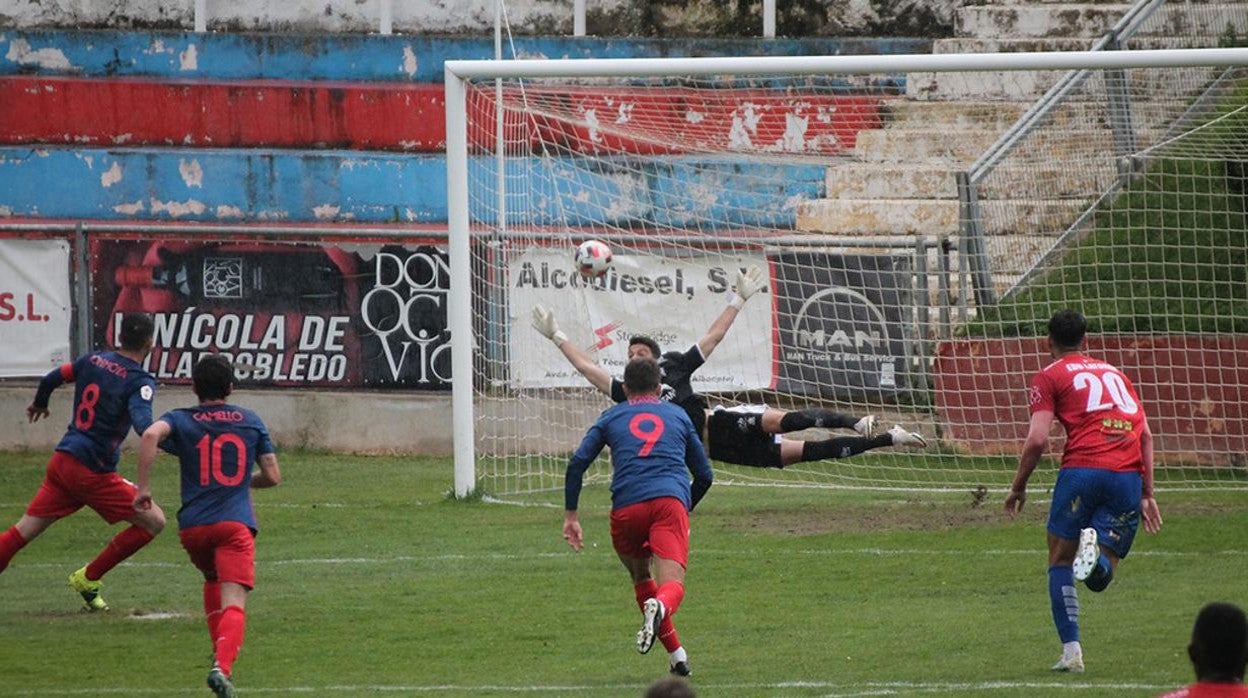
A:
x: 917, y: 219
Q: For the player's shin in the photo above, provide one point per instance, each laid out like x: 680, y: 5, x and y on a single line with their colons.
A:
x: 229, y: 637
x: 122, y: 546
x: 843, y: 446
x: 212, y: 608
x: 816, y: 417
x: 1064, y: 601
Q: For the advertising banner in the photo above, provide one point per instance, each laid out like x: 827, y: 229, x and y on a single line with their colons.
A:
x: 289, y: 315
x: 840, y: 321
x: 34, y: 306
x: 672, y: 300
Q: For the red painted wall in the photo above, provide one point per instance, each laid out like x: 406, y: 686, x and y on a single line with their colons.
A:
x: 1194, y: 388
x: 407, y: 117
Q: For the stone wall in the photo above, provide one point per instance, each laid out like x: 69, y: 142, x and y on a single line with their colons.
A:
x: 673, y: 18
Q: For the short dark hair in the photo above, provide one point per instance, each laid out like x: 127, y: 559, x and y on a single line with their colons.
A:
x: 1219, y: 648
x: 641, y: 376
x: 670, y: 687
x: 213, y: 377
x: 642, y: 339
x: 136, y: 329
x: 1067, y: 328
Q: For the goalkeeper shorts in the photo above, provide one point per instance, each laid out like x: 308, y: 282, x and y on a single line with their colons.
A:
x: 735, y: 435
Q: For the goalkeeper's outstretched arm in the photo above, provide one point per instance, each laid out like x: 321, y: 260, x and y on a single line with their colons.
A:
x: 749, y: 282
x: 544, y: 322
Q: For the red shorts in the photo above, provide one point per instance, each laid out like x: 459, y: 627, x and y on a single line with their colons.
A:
x: 223, y: 551
x: 69, y: 485
x: 657, y: 527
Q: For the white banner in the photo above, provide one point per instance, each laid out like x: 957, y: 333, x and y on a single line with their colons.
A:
x: 674, y: 301
x: 34, y: 306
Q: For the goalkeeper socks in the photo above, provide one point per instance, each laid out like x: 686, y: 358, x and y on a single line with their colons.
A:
x: 815, y: 417
x: 212, y: 608
x: 1064, y: 602
x: 843, y: 446
x: 10, y: 542
x: 122, y: 546
x: 229, y: 637
x: 1101, y: 575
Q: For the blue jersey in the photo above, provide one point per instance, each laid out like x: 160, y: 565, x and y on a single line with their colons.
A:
x: 217, y: 445
x: 654, y: 447
x: 112, y: 393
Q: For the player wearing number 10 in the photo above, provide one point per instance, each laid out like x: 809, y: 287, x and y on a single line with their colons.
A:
x: 112, y: 392
x: 217, y: 444
x: 1106, y: 478
x: 653, y: 449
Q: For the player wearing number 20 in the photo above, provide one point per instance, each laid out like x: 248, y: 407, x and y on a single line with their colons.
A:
x: 1106, y: 479
x: 217, y: 444
x: 654, y: 447
x: 112, y: 392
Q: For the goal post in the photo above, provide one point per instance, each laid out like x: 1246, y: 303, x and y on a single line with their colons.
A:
x: 850, y: 181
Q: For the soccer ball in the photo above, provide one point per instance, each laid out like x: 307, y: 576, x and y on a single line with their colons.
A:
x: 593, y: 258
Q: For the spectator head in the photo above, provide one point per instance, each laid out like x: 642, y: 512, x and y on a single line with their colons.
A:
x: 1219, y: 648
x: 670, y: 687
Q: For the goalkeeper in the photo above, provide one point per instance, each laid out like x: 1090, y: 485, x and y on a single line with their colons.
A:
x: 742, y: 435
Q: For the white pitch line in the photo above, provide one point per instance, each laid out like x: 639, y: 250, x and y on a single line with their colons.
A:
x: 838, y: 689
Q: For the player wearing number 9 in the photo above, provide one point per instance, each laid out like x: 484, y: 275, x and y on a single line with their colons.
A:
x: 112, y: 392
x: 217, y: 444
x: 654, y: 447
x: 1106, y: 478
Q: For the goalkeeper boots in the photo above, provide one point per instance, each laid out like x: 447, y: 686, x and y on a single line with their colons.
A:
x: 1087, y: 557
x: 866, y: 426
x: 901, y: 437
x: 652, y: 612
x: 89, y: 590
x: 220, y: 683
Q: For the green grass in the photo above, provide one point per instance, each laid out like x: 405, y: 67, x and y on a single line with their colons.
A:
x: 370, y: 580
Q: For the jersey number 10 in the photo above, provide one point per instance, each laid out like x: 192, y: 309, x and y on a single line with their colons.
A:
x: 210, y: 457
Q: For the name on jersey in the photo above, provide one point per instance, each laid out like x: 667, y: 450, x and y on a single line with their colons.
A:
x: 111, y: 366
x: 219, y: 416
x: 1089, y: 366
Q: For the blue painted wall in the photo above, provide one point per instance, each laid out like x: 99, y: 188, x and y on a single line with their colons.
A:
x: 356, y: 57
x: 248, y: 185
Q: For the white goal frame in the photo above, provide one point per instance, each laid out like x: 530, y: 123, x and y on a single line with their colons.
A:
x: 458, y: 72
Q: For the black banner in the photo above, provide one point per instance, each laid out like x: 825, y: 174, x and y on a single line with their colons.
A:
x: 840, y: 324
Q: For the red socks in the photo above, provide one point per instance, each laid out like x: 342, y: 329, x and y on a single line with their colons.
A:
x: 229, y: 637
x: 212, y: 608
x: 670, y: 595
x: 10, y: 542
x: 122, y: 546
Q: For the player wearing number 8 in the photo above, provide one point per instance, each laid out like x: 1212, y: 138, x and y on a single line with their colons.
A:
x: 217, y: 444
x: 112, y: 392
x: 1106, y: 479
x: 654, y: 447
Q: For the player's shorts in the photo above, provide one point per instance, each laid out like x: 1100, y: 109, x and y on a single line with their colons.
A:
x: 1106, y: 500
x: 735, y: 435
x: 654, y: 527
x: 68, y: 486
x: 224, y: 551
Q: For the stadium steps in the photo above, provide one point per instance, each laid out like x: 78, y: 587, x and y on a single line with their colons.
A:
x: 902, y: 177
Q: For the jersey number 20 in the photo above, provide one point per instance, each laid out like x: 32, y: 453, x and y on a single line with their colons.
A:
x: 211, y: 453
x: 1108, y: 382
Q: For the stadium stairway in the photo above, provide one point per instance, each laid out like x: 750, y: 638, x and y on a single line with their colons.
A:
x: 902, y: 176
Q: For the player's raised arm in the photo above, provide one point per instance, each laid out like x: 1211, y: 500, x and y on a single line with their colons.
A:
x: 544, y: 322
x: 749, y: 282
x: 150, y: 442
x: 1033, y: 447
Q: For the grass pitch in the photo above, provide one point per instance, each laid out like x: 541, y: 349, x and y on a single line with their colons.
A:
x: 370, y: 581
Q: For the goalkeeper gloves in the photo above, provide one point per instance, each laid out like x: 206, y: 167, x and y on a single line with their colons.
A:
x: 749, y: 282
x: 544, y: 322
